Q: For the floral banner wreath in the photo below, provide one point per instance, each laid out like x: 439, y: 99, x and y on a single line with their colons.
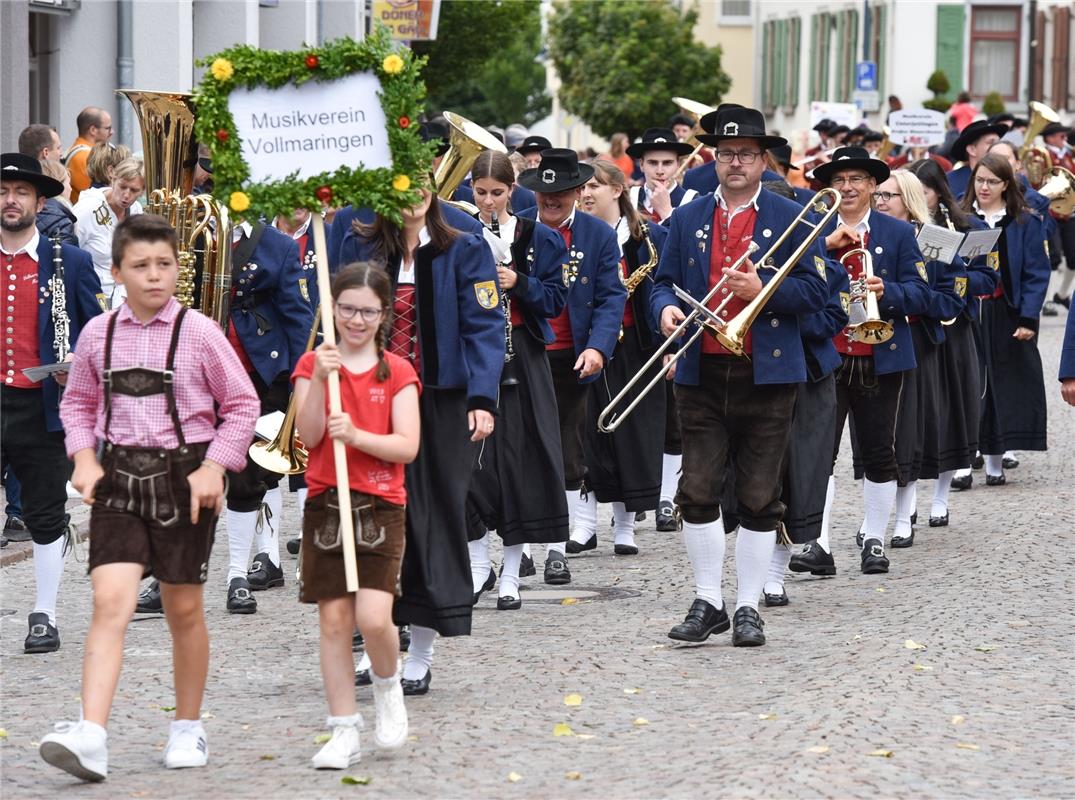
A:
x: 385, y: 190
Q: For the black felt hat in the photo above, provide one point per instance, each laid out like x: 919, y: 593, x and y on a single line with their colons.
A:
x: 736, y: 122
x: 659, y: 139
x: 558, y: 171
x: 971, y: 134
x: 852, y: 158
x: 782, y: 154
x: 824, y: 125
x: 533, y: 144
x: 17, y: 167
x: 1054, y: 127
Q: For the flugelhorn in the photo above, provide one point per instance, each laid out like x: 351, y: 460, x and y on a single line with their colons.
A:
x: 870, y: 329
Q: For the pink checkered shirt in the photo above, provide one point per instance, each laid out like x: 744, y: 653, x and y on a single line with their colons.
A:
x: 207, y: 371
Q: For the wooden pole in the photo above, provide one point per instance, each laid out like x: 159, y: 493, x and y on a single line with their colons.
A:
x: 339, y: 449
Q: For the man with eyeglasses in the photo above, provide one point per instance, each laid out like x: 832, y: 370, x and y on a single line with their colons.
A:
x: 974, y: 142
x: 94, y: 126
x: 705, y: 178
x: 735, y: 410
x: 870, y: 377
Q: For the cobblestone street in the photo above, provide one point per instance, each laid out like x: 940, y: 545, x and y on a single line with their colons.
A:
x: 839, y: 703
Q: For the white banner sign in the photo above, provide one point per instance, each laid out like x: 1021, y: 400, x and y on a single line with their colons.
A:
x: 313, y: 128
x: 916, y: 127
x: 841, y: 113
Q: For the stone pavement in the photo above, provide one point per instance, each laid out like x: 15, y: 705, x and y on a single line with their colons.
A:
x: 836, y: 705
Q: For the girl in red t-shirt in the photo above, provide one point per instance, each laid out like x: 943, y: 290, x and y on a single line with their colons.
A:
x: 380, y: 426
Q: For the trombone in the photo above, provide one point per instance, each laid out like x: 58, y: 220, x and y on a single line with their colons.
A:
x: 872, y: 329
x: 730, y: 334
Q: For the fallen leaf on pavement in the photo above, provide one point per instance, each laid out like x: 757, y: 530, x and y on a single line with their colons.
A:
x: 985, y: 648
x: 569, y: 601
x: 3, y: 733
x: 967, y: 746
x: 911, y: 644
x: 573, y: 700
x: 361, y: 780
x: 267, y: 758
x: 585, y: 736
x: 572, y: 776
x: 514, y: 777
x: 641, y: 721
x: 922, y: 667
x: 167, y: 708
x: 321, y: 738
x: 412, y: 738
x: 207, y: 715
x: 881, y: 753
x: 766, y: 716
x: 881, y: 589
x: 957, y: 719
x: 562, y: 729
x: 819, y: 749
x: 632, y: 691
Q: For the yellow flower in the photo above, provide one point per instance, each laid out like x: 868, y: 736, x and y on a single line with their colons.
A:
x: 401, y: 183
x: 392, y: 64
x: 239, y: 201
x: 222, y: 69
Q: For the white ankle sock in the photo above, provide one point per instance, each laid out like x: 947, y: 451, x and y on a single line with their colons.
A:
x: 584, y: 520
x: 826, y: 517
x: 941, y: 489
x: 670, y: 466
x: 878, y: 499
x: 778, y: 567
x: 479, y: 561
x: 240, y: 538
x: 526, y: 550
x: 994, y: 465
x: 509, y: 574
x: 267, y: 529
x: 48, y: 570
x: 705, y: 549
x: 753, y: 557
x: 623, y: 525
x: 420, y: 653
x: 905, y: 500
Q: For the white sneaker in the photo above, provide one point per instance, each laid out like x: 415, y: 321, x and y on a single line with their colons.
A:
x: 344, y: 748
x: 80, y: 748
x: 187, y: 747
x: 391, y: 730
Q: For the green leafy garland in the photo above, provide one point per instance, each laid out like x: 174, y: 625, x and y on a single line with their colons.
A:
x: 386, y: 191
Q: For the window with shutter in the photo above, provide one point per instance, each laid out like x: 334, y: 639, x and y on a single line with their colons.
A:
x: 949, y: 50
x: 994, y: 50
x: 1062, y: 65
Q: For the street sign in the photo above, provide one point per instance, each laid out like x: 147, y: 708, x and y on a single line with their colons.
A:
x: 866, y: 76
x: 867, y: 100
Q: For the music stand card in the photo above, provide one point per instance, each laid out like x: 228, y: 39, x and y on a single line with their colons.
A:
x: 938, y: 244
x: 330, y: 125
x: 978, y: 243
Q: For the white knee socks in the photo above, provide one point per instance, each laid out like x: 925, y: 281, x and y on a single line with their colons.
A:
x: 753, y: 557
x: 994, y: 465
x: 670, y: 466
x: 623, y: 525
x: 419, y: 654
x: 905, y: 503
x: 1067, y: 276
x: 826, y: 517
x: 509, y: 573
x: 479, y: 561
x: 941, y: 489
x: 584, y: 518
x: 778, y: 567
x: 878, y: 499
x: 267, y: 531
x: 705, y: 549
x: 240, y: 538
x: 48, y: 570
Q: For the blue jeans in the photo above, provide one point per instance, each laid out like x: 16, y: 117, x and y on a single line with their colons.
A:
x: 13, y: 492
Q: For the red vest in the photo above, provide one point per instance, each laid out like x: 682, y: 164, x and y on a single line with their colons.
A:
x: 844, y: 343
x: 20, y: 319
x: 561, y: 325
x: 729, y: 242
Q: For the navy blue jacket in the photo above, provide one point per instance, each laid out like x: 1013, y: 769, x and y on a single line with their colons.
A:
x: 959, y: 180
x: 538, y: 257
x: 521, y: 197
x: 703, y: 178
x: 1028, y: 266
x: 982, y: 275
x: 269, y: 313
x: 596, y: 294
x: 778, y: 354
x: 56, y: 219
x: 896, y: 260
x: 646, y: 328
x: 460, y: 319
x: 1040, y: 203
x: 945, y: 300
x: 85, y: 301
x: 819, y: 328
x: 1067, y: 355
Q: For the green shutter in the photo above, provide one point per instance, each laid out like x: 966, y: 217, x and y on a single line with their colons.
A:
x: 879, y: 31
x: 814, y: 57
x: 792, y: 98
x: 781, y: 66
x: 950, y: 33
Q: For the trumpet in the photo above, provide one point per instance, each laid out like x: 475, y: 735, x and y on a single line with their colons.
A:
x: 730, y: 334
x: 870, y: 329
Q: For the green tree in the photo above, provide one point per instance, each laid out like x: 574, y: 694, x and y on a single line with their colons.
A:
x: 621, y: 61
x: 483, y: 63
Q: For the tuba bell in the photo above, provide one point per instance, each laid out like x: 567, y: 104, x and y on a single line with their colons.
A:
x: 170, y: 153
x: 466, y: 141
x: 1059, y: 187
x: 1036, y: 160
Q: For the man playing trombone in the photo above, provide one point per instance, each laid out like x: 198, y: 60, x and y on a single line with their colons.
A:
x: 732, y: 408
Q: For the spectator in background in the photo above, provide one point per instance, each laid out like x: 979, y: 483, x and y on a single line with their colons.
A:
x: 98, y: 215
x: 617, y: 153
x: 894, y: 104
x: 57, y: 219
x: 94, y: 127
x: 514, y: 135
x: 103, y: 159
x: 41, y: 142
x: 963, y: 111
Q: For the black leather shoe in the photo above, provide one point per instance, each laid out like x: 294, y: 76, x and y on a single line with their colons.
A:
x: 556, y: 571
x: 995, y: 480
x: 263, y: 574
x: 508, y: 603
x: 747, y: 628
x: 1048, y: 309
x: 939, y: 522
x: 1064, y: 301
x: 813, y: 559
x: 240, y: 599
x: 1009, y: 462
x: 978, y: 462
x: 357, y: 641
x: 3, y: 541
x: 15, y: 529
x: 640, y: 516
x: 903, y: 541
x: 776, y: 599
x: 420, y: 686
x: 858, y: 539
x: 702, y: 621
x: 294, y: 545
x: 404, y: 638
x: 362, y: 677
x: 914, y: 518
x: 666, y: 517
x: 526, y: 567
x: 43, y: 636
x: 574, y: 547
x: 625, y: 550
x: 962, y: 482
x: 149, y: 600
x: 490, y: 582
x: 874, y: 561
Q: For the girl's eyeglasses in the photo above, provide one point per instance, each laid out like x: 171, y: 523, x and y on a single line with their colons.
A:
x: 347, y: 313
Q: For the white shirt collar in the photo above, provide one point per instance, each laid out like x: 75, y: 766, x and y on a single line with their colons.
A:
x: 991, y: 219
x: 299, y: 232
x: 507, y: 228
x: 752, y: 203
x: 567, y: 223
x: 30, y: 248
x: 863, y: 225
x: 239, y: 230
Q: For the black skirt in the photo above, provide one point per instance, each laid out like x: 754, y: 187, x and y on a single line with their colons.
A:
x: 959, y: 392
x: 436, y: 585
x: 625, y: 466
x: 518, y: 484
x: 1013, y: 401
x: 807, y: 477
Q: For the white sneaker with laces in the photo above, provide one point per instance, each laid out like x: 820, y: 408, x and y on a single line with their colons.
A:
x: 80, y: 748
x: 187, y: 747
x: 344, y: 748
x: 391, y: 731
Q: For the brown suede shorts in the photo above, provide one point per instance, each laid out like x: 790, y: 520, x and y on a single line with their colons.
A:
x: 380, y: 531
x: 141, y: 514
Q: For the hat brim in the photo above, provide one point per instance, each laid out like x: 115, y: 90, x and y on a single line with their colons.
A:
x: 529, y: 179
x: 639, y: 149
x: 875, y: 167
x: 767, y: 142
x: 531, y: 148
x: 46, y: 186
x: 959, y: 147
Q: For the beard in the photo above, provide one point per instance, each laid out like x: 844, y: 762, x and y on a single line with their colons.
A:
x: 18, y: 224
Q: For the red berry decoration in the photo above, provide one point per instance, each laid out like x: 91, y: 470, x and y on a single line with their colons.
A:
x: 324, y: 194
x: 404, y: 122
x: 312, y: 61
x: 222, y: 136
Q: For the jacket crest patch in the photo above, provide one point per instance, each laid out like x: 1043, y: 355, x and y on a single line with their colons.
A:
x: 487, y: 295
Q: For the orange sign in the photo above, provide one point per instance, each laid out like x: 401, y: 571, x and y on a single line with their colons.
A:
x: 409, y: 20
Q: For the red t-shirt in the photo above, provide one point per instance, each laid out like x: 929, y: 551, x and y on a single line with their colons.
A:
x: 20, y: 319
x: 369, y: 402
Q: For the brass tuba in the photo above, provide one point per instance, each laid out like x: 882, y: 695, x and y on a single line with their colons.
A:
x: 466, y: 141
x: 170, y: 153
x: 1036, y: 160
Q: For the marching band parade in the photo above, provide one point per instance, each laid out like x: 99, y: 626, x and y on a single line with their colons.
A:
x: 543, y: 348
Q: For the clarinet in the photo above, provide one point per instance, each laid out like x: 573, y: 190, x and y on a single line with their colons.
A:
x: 507, y: 376
x: 61, y: 323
